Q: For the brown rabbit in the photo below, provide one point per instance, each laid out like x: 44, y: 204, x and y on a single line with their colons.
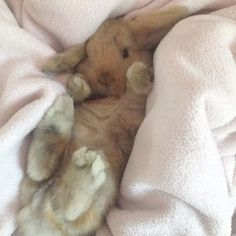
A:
x: 79, y: 152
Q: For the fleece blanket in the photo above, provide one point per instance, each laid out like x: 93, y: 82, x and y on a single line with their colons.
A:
x: 180, y: 179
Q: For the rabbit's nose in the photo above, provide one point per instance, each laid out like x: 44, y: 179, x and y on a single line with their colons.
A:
x: 105, y: 79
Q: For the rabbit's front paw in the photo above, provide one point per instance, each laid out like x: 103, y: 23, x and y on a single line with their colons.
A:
x: 78, y: 88
x: 139, y: 78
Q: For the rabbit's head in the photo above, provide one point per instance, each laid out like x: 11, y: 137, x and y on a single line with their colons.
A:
x: 116, y: 45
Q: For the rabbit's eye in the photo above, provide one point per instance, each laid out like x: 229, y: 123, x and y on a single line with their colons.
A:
x: 125, y: 53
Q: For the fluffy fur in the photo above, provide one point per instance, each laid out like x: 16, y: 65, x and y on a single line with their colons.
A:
x: 73, y: 174
x: 79, y: 152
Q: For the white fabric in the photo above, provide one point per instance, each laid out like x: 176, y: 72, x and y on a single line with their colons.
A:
x: 180, y: 177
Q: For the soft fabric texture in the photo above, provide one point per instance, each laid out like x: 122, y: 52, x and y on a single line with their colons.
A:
x: 180, y: 177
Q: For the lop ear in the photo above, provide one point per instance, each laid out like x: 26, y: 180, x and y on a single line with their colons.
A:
x: 151, y: 27
x: 65, y: 61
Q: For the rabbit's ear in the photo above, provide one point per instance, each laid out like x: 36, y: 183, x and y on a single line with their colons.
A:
x: 65, y: 61
x: 151, y: 27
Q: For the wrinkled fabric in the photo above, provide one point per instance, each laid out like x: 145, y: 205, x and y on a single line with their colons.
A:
x: 180, y: 177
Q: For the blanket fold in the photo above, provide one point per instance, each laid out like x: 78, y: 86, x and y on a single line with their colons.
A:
x: 176, y: 156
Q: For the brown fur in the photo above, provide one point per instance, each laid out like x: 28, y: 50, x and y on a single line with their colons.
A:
x: 78, y: 153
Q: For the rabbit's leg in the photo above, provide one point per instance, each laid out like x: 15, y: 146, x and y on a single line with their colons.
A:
x: 85, y: 190
x: 78, y: 88
x: 75, y: 201
x: 77, y: 187
x: 139, y: 78
x: 27, y: 189
x: 50, y: 139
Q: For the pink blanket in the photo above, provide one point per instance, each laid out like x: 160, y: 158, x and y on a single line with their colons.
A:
x: 180, y: 177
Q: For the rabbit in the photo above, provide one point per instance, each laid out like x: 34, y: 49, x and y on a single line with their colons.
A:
x: 77, y: 158
x: 81, y: 146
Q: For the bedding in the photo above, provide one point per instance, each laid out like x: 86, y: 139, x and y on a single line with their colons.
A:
x: 180, y: 179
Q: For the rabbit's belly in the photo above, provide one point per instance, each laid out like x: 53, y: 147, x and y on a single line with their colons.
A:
x: 92, y: 124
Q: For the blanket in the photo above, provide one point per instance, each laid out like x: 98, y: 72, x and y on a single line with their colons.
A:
x: 180, y: 179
